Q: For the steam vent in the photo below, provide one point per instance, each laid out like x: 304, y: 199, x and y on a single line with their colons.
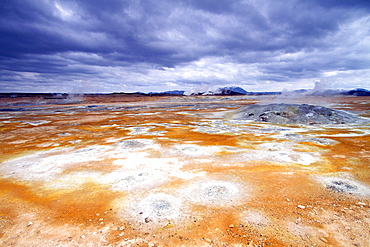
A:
x: 122, y: 170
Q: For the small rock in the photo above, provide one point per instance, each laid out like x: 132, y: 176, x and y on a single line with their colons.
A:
x: 121, y: 228
x: 83, y: 236
x: 324, y: 239
x: 301, y: 207
x: 147, y: 220
x: 29, y: 223
x: 231, y: 226
x: 168, y: 224
x: 287, y: 200
x: 207, y: 240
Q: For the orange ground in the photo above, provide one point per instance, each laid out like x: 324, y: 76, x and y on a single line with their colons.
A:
x: 63, y: 175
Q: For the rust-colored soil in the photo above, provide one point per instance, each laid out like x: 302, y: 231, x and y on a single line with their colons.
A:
x: 175, y: 171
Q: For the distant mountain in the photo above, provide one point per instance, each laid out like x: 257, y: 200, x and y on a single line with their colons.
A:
x: 230, y: 91
x: 174, y: 92
x: 330, y: 92
x: 327, y: 92
x: 219, y: 91
x: 353, y: 92
x: 358, y: 92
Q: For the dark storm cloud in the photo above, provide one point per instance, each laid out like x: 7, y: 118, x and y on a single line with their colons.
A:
x: 137, y: 42
x: 344, y: 3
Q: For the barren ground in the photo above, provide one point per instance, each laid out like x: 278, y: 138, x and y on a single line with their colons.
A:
x: 176, y: 171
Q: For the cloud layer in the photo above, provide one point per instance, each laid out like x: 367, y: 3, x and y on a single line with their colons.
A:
x: 147, y: 45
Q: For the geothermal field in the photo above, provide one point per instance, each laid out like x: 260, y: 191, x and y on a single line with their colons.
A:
x: 118, y: 170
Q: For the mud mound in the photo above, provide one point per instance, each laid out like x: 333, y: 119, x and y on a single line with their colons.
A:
x: 215, y: 192
x: 159, y: 206
x: 344, y: 185
x: 295, y: 114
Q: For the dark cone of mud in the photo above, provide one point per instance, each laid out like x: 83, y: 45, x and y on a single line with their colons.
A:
x: 296, y: 114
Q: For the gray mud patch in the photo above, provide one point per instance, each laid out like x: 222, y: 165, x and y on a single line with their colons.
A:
x: 158, y: 207
x: 214, y: 192
x: 344, y: 186
x: 296, y: 114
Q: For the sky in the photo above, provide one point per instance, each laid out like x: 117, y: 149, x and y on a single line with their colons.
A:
x: 96, y: 46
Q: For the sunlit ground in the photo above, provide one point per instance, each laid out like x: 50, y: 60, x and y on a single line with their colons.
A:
x: 179, y: 171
